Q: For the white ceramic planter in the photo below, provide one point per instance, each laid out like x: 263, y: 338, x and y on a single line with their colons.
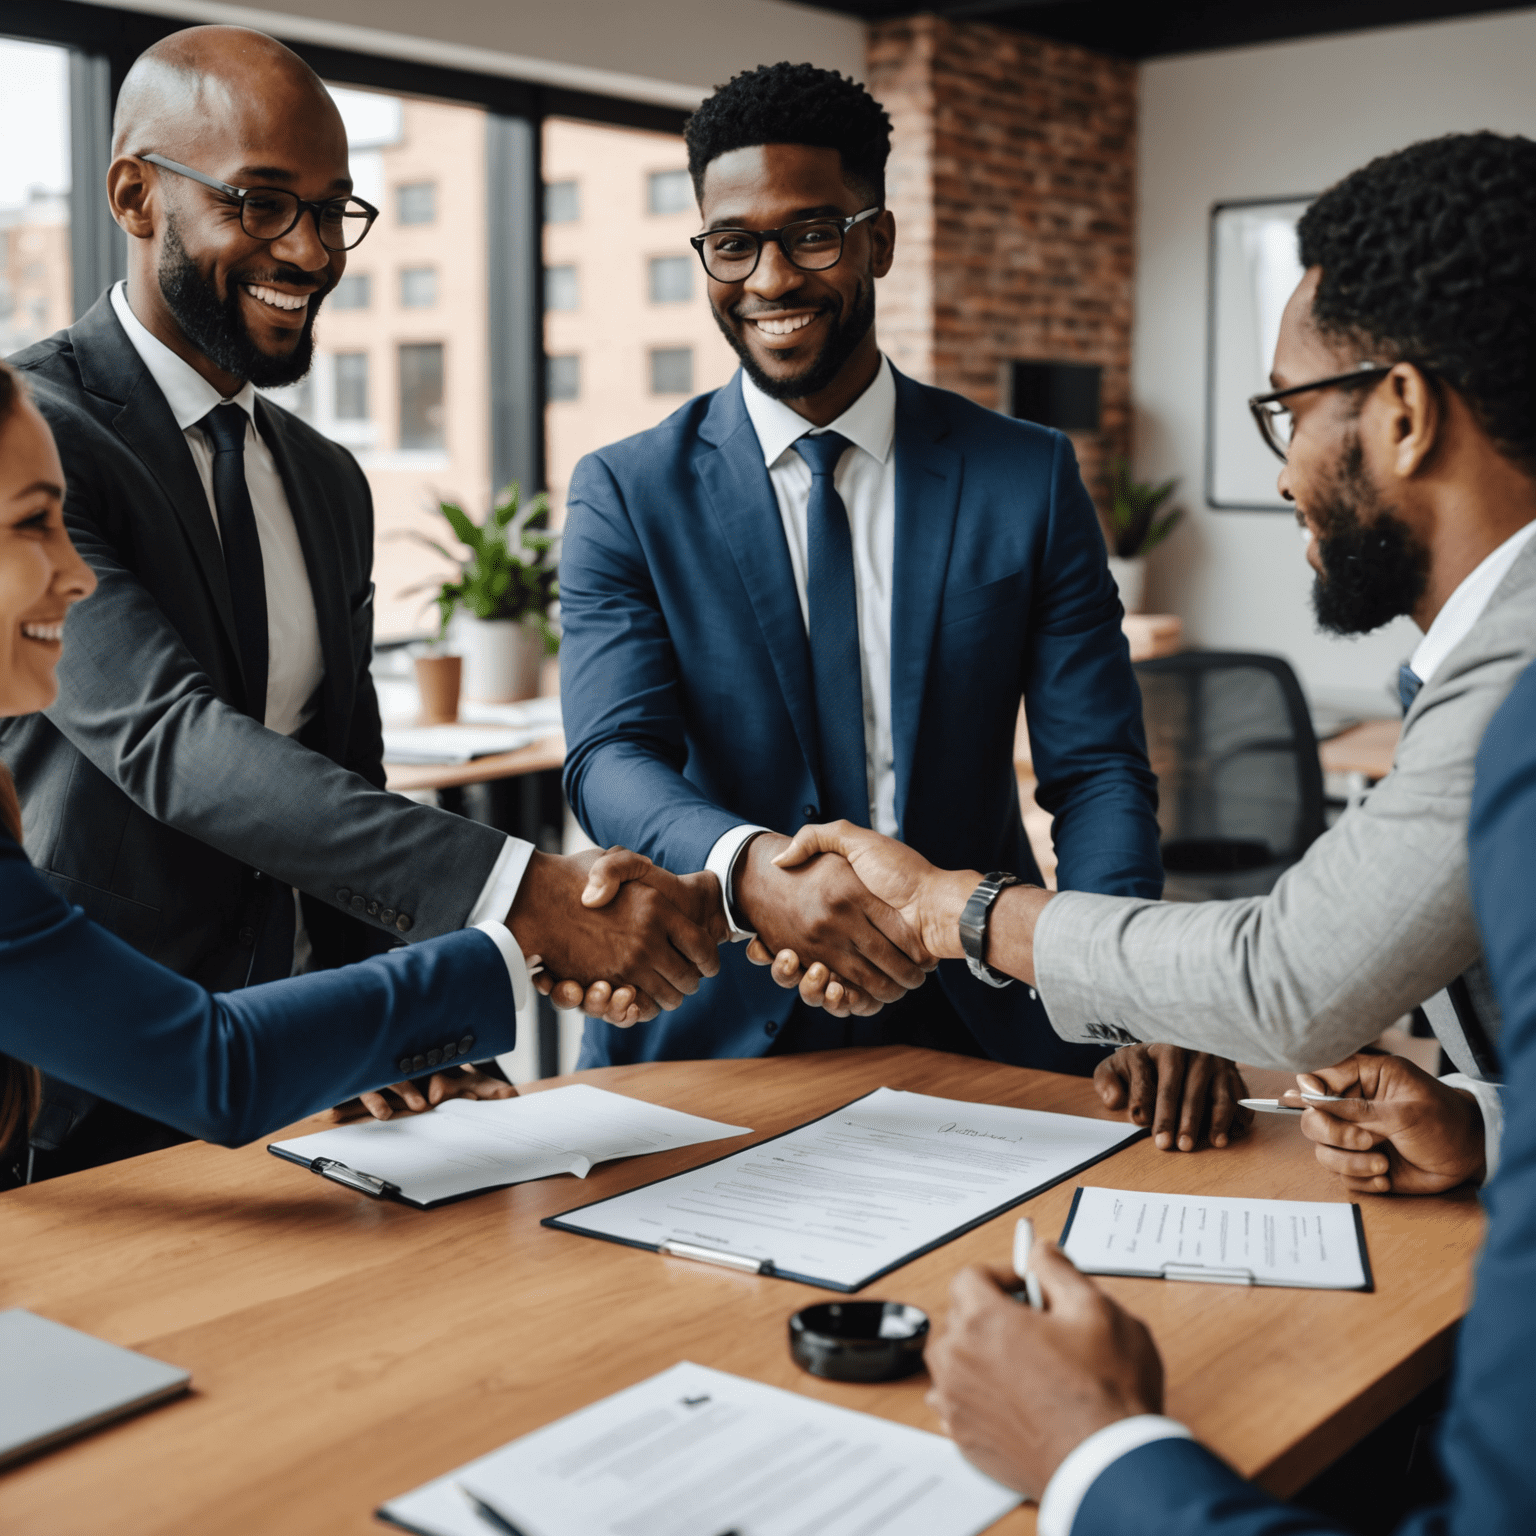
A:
x: 502, y: 658
x: 1131, y: 578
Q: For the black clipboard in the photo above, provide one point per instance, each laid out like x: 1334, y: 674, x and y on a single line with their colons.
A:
x: 1233, y: 1276
x: 766, y: 1267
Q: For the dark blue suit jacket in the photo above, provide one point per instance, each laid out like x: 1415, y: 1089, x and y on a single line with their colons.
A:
x: 1177, y: 1488
x: 687, y: 682
x: 83, y: 1006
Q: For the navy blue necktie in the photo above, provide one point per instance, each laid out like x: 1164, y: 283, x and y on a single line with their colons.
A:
x: 836, y: 671
x: 225, y: 426
x: 1408, y: 684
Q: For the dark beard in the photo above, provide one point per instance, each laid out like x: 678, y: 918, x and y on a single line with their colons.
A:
x: 1373, y: 571
x: 216, y: 327
x: 841, y: 343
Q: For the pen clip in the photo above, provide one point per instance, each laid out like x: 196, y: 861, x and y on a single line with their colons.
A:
x: 681, y: 1250
x: 365, y: 1183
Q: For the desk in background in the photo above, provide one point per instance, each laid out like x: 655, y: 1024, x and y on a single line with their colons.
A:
x: 343, y: 1350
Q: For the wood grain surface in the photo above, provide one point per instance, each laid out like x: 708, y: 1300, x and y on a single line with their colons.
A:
x: 344, y: 1350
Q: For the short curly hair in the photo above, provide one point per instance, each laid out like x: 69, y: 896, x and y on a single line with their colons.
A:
x: 1428, y: 256
x: 794, y: 104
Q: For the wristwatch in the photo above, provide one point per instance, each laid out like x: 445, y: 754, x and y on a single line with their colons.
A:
x: 974, y: 922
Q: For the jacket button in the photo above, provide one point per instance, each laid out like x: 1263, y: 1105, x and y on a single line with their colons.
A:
x: 403, y: 922
x: 809, y: 812
x: 373, y: 909
x: 359, y: 904
x: 466, y: 1045
x: 387, y: 916
x: 417, y: 1063
x: 247, y: 935
x: 405, y: 1065
x: 450, y: 1050
x: 433, y: 1057
x: 344, y: 895
x: 772, y: 1026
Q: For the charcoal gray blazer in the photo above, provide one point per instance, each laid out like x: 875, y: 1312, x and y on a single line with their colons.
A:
x: 149, y: 799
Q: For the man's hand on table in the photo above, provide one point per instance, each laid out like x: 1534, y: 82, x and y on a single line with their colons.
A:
x: 1403, y: 1133
x: 1019, y: 1390
x: 1189, y: 1098
x: 465, y: 1082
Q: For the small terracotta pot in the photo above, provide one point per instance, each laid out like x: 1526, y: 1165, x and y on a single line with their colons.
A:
x: 437, y: 680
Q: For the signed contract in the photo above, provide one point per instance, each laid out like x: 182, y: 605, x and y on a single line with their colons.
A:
x: 848, y: 1198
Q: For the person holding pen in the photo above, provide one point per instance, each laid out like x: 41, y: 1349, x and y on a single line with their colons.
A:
x: 82, y: 1005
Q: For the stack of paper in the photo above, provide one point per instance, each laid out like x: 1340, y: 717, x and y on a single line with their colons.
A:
x: 454, y: 743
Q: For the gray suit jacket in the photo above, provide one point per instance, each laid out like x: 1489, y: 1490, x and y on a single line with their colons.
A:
x: 1373, y: 922
x: 150, y: 800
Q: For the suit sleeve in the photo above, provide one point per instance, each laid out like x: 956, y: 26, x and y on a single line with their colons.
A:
x: 620, y: 694
x: 134, y: 700
x: 1084, y: 708
x: 83, y: 1006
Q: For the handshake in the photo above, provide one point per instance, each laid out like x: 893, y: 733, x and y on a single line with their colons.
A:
x: 852, y: 919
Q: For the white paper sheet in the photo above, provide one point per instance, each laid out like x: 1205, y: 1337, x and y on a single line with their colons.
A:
x: 695, y: 1452
x: 467, y: 1145
x: 1303, y: 1243
x: 454, y: 743
x: 849, y: 1196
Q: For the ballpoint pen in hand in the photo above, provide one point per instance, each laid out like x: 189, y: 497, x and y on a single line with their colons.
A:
x: 1023, y: 1245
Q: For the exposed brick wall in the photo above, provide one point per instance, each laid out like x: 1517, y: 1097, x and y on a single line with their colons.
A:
x: 1013, y: 183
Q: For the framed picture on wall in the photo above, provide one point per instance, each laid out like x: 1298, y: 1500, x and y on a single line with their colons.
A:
x: 1253, y: 271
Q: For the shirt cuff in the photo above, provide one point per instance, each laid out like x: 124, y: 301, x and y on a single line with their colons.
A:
x: 1492, y: 1106
x: 720, y: 863
x: 498, y: 893
x: 512, y: 955
x: 1066, y: 1491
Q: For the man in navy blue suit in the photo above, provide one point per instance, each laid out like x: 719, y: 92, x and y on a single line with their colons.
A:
x: 821, y: 591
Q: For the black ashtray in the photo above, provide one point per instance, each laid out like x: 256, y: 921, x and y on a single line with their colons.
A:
x: 859, y: 1340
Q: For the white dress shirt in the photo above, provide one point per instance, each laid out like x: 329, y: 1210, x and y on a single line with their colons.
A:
x: 866, y: 480
x: 295, y: 667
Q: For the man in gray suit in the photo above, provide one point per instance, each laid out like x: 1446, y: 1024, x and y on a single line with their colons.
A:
x: 1404, y: 409
x: 215, y: 747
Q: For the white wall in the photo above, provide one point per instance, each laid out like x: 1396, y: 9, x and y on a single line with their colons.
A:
x: 1259, y: 122
x: 668, y: 51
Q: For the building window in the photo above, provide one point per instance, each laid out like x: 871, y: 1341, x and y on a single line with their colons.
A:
x: 671, y: 279
x: 670, y: 192
x: 672, y: 371
x: 562, y: 378
x: 421, y: 394
x: 354, y: 291
x: 418, y: 287
x: 562, y: 202
x: 560, y: 289
x: 351, y: 380
x: 417, y: 202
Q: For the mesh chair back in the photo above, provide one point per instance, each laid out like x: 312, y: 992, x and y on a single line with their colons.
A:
x: 1240, y: 786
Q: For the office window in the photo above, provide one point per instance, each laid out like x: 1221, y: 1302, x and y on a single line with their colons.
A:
x: 35, y: 294
x: 350, y: 376
x: 672, y: 279
x: 354, y: 291
x: 672, y: 371
x: 562, y: 202
x: 670, y: 192
x: 561, y: 290
x: 417, y: 202
x: 421, y: 394
x: 418, y: 287
x: 562, y: 378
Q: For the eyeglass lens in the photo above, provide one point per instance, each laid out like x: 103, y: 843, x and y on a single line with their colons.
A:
x: 1276, y: 423
x: 731, y: 254
x: 270, y: 214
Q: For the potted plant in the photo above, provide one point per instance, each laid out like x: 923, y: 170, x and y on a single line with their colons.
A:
x: 499, y: 608
x: 1135, y: 528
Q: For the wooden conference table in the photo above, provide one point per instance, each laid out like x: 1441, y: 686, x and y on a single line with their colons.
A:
x: 343, y: 1350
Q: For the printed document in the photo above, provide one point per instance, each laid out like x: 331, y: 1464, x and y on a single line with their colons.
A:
x: 862, y: 1190
x: 467, y: 1145
x: 1206, y: 1237
x: 694, y: 1452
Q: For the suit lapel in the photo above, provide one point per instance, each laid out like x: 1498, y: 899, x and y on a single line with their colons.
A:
x: 322, y: 560
x: 927, y: 504
x: 736, y: 482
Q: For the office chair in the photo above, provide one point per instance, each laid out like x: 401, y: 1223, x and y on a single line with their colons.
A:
x: 1240, y: 786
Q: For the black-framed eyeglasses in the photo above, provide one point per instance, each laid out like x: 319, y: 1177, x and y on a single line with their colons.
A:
x: 268, y: 213
x: 1274, y: 418
x: 813, y: 245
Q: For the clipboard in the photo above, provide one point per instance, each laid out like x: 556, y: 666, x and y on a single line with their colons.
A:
x: 1218, y: 1274
x: 677, y: 1247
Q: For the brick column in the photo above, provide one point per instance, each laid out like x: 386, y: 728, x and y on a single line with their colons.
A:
x: 1013, y: 183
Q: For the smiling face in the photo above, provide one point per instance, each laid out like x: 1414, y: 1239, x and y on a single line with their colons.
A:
x: 41, y: 575
x: 797, y: 333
